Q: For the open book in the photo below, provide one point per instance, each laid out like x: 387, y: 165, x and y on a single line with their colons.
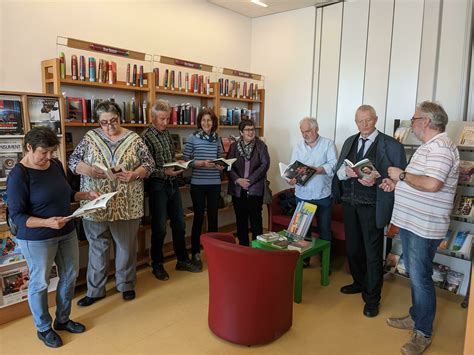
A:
x: 110, y: 172
x: 226, y: 163
x: 99, y: 203
x: 363, y: 169
x: 297, y: 170
x: 178, y: 165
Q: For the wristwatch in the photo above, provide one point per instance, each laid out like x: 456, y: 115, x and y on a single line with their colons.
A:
x: 402, y: 175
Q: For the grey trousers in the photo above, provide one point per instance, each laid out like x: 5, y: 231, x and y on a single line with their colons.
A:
x: 99, y: 235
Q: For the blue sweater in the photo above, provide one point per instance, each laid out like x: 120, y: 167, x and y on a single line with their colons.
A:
x: 201, y: 149
x: 50, y: 196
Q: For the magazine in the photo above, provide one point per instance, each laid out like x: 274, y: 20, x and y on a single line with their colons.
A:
x: 467, y: 136
x: 298, y: 171
x: 11, y: 152
x: 466, y: 171
x: 11, y: 116
x: 92, y: 206
x: 44, y: 111
x: 363, y: 169
x: 302, y: 219
x: 110, y: 172
x: 464, y: 206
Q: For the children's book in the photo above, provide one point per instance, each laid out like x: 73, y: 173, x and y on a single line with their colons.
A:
x: 302, y: 219
x: 364, y: 169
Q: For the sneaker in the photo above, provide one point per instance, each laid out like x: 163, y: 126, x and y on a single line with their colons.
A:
x: 187, y: 265
x: 196, y: 260
x: 417, y: 344
x: 160, y: 272
x: 401, y: 323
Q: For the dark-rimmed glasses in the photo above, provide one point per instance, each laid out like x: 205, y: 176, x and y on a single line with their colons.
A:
x: 112, y: 122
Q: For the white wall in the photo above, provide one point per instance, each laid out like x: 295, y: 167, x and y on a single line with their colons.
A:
x: 188, y: 29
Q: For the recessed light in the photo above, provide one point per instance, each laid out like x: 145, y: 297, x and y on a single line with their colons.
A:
x: 258, y: 2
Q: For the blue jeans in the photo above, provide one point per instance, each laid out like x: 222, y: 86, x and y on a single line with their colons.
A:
x: 323, y: 216
x: 418, y: 254
x: 39, y: 255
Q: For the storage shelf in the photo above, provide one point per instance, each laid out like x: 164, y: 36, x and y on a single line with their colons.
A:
x: 240, y: 99
x: 161, y: 90
x: 119, y: 85
x: 235, y: 126
x: 82, y: 124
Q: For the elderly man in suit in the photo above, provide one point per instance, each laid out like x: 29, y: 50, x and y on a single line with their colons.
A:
x: 367, y: 208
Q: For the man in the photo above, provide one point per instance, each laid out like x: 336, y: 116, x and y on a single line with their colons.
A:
x: 320, y: 154
x: 164, y: 195
x: 367, y: 208
x: 424, y: 195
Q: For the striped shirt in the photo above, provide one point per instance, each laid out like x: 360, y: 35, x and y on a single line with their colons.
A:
x: 201, y: 149
x: 427, y: 214
x: 161, y: 147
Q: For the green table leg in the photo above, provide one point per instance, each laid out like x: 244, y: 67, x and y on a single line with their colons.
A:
x: 298, y: 291
x: 325, y: 268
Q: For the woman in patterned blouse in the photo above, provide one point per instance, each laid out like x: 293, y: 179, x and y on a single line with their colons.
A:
x: 111, y: 146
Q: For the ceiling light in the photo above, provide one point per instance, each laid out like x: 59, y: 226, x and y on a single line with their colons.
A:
x: 258, y: 2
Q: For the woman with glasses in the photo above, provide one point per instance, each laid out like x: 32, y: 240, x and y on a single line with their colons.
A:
x: 111, y: 146
x: 39, y: 201
x: 204, y: 146
x: 247, y: 180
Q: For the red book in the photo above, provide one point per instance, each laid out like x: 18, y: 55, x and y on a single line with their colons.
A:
x: 84, y: 110
x: 174, y: 115
x: 74, y: 67
x: 192, y: 82
x: 201, y: 84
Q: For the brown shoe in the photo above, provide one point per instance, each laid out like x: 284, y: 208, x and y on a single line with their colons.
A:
x: 417, y: 344
x: 401, y: 323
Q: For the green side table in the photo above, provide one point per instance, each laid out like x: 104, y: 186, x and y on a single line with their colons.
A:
x: 319, y: 245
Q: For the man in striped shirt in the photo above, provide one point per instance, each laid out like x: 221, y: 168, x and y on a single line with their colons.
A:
x: 424, y: 195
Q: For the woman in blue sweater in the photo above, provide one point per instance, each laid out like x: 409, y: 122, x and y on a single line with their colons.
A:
x: 204, y: 146
x: 39, y: 201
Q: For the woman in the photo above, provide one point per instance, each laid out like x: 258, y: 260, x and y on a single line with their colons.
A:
x: 38, y: 204
x: 247, y: 180
x: 204, y: 146
x: 112, y: 145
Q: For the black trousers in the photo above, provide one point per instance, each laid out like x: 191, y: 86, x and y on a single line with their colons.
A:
x: 248, y: 208
x: 202, y: 195
x: 364, y: 247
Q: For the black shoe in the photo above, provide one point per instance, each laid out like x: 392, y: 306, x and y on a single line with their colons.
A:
x: 351, y: 289
x: 87, y: 301
x: 70, y: 326
x: 160, y: 272
x: 306, y: 262
x: 50, y: 338
x: 186, y: 265
x: 371, y: 310
x: 128, y: 295
x: 196, y: 260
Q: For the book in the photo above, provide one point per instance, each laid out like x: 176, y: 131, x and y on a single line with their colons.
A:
x: 281, y: 244
x: 467, y: 136
x: 463, y: 206
x: 453, y: 281
x: 226, y: 142
x: 110, y: 172
x: 391, y: 262
x: 226, y: 163
x: 466, y: 171
x: 3, y: 206
x: 178, y: 165
x: 269, y: 237
x: 446, y: 241
x: 99, y: 203
x: 11, y: 152
x: 363, y: 168
x: 298, y: 171
x: 440, y: 272
x: 11, y: 115
x: 44, y: 111
x: 459, y: 240
x: 302, y: 219
x: 74, y: 109
x: 300, y: 245
x: 14, y: 285
x: 401, y: 134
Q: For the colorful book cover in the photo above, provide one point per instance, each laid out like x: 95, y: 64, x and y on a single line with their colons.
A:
x: 11, y: 152
x: 459, y: 240
x: 11, y: 115
x: 44, y: 111
x: 440, y: 272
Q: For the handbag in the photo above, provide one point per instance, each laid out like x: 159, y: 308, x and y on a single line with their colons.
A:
x: 267, y: 193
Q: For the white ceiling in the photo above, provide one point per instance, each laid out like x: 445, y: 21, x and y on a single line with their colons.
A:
x: 249, y: 9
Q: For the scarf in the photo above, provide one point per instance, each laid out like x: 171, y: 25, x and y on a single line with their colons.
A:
x: 245, y: 150
x: 207, y: 137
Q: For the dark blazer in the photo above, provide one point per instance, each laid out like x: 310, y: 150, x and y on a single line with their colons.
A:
x: 259, y: 164
x: 389, y: 153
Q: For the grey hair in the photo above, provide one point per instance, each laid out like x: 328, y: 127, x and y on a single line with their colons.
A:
x: 436, y: 113
x: 160, y: 106
x: 367, y: 108
x: 313, y: 122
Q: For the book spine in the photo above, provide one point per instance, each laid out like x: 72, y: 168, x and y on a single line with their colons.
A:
x: 226, y: 87
x: 84, y: 110
x: 134, y: 75
x: 144, y: 107
x: 186, y: 82
x: 157, y: 76
x: 244, y: 93
x: 208, y: 85
x: 62, y: 65
x: 172, y: 79
x: 256, y: 92
x: 251, y: 91
x: 91, y: 69
x: 201, y: 84
x: 74, y: 67
x: 180, y: 82
x: 141, y: 76
x: 165, y: 79
x: 174, y: 115
x: 110, y: 73
x: 82, y: 68
x: 127, y: 77
x: 221, y: 86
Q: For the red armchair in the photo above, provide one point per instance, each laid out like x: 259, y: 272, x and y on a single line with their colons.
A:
x: 250, y: 290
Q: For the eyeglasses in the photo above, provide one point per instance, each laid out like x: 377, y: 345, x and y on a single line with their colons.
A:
x: 112, y: 122
x: 413, y: 119
x: 249, y: 130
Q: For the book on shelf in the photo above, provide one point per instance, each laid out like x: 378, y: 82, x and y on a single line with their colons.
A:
x: 440, y: 272
x: 99, y: 203
x: 76, y: 110
x: 453, y: 281
x: 269, y: 237
x: 467, y: 136
x: 446, y: 240
x: 302, y: 219
x: 226, y: 143
x: 459, y: 239
x: 110, y: 172
x: 298, y: 171
x: 363, y: 168
x: 463, y: 206
x: 14, y: 285
x: 10, y: 251
x: 178, y: 165
x: 11, y: 115
x: 391, y: 262
x: 466, y: 171
x: 300, y: 245
x: 226, y: 163
x: 3, y: 206
x: 11, y: 152
x: 44, y: 111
